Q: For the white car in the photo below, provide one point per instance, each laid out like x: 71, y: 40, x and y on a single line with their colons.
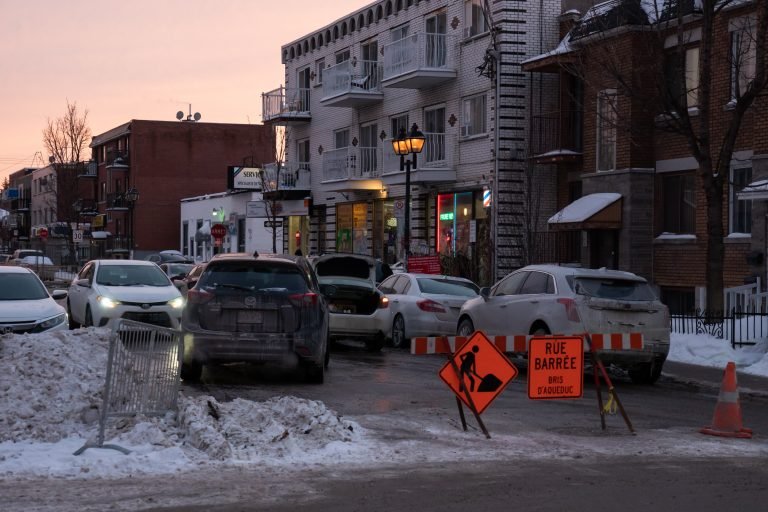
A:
x: 424, y: 304
x: 105, y: 290
x: 25, y: 304
x: 552, y: 299
x: 358, y: 310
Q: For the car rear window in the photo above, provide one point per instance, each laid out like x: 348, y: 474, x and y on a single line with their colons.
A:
x: 447, y: 287
x: 255, y: 276
x: 619, y: 289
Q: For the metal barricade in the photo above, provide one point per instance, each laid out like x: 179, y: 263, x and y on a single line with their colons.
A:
x: 143, y: 377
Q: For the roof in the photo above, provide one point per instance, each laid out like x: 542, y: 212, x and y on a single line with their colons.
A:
x: 112, y: 134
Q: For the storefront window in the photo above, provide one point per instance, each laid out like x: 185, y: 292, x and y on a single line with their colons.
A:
x: 454, y: 213
x: 389, y: 230
x: 298, y: 229
x: 351, y: 232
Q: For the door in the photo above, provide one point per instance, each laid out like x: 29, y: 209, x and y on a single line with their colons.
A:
x: 434, y: 132
x: 78, y: 295
x: 370, y: 54
x: 369, y: 143
x: 436, y: 27
x: 494, y: 315
x: 304, y: 81
x: 604, y: 248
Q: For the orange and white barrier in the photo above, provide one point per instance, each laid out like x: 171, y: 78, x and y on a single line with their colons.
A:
x: 520, y: 343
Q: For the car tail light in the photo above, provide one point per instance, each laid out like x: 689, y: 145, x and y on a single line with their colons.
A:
x: 304, y: 299
x: 383, y: 302
x: 571, y: 310
x: 195, y: 296
x: 430, y: 306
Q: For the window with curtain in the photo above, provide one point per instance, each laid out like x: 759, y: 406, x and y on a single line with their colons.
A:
x: 679, y: 204
x: 473, y: 116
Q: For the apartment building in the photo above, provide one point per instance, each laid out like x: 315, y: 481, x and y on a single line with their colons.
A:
x: 452, y: 69
x: 630, y: 194
x: 143, y: 169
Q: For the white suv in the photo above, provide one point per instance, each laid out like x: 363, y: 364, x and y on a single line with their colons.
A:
x: 105, y: 290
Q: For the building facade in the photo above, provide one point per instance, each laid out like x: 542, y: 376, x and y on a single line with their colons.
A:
x: 450, y: 67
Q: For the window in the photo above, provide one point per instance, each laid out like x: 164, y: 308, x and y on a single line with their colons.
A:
x: 370, y: 68
x: 679, y: 300
x: 683, y: 77
x: 538, y: 282
x: 741, y: 209
x: 342, y: 56
x: 511, y: 284
x: 434, y: 133
x: 319, y: 66
x: 679, y: 203
x: 473, y: 116
x: 398, y: 123
x: 302, y: 150
x: 606, y: 130
x: 474, y: 18
x: 743, y: 60
x: 369, y: 143
x: 341, y: 138
x: 399, y: 33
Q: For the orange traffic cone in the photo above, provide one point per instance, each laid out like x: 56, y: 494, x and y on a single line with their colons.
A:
x: 727, y: 420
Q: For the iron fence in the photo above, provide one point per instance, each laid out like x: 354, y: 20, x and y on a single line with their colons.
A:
x: 143, y: 375
x: 739, y: 327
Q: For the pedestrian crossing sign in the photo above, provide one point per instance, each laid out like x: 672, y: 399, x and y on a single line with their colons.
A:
x: 477, y: 372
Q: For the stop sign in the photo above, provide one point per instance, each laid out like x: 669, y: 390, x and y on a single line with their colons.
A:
x: 42, y: 233
x: 218, y: 230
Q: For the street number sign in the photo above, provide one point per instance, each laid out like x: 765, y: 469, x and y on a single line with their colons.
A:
x: 556, y: 367
x: 483, y: 370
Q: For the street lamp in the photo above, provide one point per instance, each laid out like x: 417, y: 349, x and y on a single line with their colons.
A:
x: 408, y: 144
x: 131, y: 196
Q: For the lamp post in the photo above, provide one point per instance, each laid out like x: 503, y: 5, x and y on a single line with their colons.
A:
x: 131, y: 196
x: 408, y: 144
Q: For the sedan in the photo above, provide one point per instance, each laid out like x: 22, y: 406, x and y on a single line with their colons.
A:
x: 425, y: 304
x: 25, y: 304
x: 106, y: 290
x: 544, y: 299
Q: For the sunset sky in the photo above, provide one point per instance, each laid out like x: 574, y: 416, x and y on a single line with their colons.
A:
x: 142, y: 59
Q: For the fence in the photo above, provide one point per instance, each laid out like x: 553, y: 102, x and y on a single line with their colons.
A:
x: 142, y: 375
x: 739, y: 327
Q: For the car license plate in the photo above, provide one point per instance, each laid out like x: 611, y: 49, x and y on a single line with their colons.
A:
x: 250, y: 317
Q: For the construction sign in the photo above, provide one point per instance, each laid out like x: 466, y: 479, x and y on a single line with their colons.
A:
x: 477, y: 372
x: 556, y: 368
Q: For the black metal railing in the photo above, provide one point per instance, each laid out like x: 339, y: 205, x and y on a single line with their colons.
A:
x: 739, y: 327
x: 559, y: 130
x: 553, y: 247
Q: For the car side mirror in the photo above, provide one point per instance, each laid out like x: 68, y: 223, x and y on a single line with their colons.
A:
x: 485, y: 292
x: 59, y: 294
x: 83, y: 282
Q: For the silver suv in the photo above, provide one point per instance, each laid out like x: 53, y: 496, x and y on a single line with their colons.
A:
x: 552, y: 299
x: 256, y: 309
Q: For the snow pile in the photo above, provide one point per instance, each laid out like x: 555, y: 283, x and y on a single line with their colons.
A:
x: 716, y: 353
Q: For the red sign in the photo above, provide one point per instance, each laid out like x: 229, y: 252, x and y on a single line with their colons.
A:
x: 218, y: 231
x: 424, y: 264
x: 556, y: 368
x: 42, y: 233
x: 483, y: 372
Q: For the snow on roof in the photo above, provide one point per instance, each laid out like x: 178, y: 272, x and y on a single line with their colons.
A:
x: 584, y: 207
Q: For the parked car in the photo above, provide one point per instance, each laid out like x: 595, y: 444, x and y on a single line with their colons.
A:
x: 5, y: 258
x: 25, y: 304
x: 105, y: 290
x: 169, y: 257
x: 358, y: 310
x: 424, y: 304
x: 174, y: 269
x: 189, y: 280
x: 23, y: 253
x: 251, y: 308
x: 544, y: 299
x: 34, y: 261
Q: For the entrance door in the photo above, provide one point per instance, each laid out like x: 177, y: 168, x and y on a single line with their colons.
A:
x: 369, y: 143
x: 436, y: 28
x: 604, y: 248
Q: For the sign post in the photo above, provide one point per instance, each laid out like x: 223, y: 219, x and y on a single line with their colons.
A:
x: 477, y: 372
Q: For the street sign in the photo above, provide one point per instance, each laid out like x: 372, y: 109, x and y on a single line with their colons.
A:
x: 273, y: 223
x: 77, y: 235
x: 556, y: 368
x: 42, y: 233
x: 218, y: 231
x: 483, y: 371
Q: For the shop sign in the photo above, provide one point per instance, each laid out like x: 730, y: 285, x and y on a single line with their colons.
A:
x: 244, y: 178
x: 424, y: 264
x: 446, y: 216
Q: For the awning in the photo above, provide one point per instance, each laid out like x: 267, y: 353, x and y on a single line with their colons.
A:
x: 593, y: 211
x: 100, y: 234
x: 755, y: 190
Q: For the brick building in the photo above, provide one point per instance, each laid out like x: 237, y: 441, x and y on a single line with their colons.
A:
x: 164, y: 162
x: 452, y: 67
x: 602, y: 139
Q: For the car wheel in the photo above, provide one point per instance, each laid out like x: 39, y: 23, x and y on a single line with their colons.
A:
x: 466, y: 328
x: 88, y: 317
x: 72, y: 323
x: 191, y: 372
x: 315, y: 373
x: 398, y: 332
x: 375, y: 344
x: 645, y: 373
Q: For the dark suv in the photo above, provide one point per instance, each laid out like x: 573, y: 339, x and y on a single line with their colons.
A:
x: 256, y: 308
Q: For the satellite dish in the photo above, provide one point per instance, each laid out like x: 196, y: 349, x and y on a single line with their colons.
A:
x: 197, y: 116
x: 179, y: 115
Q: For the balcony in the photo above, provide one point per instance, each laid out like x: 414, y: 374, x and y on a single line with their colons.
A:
x: 88, y: 170
x: 117, y: 202
x: 290, y: 181
x: 118, y: 161
x: 352, y: 84
x: 556, y: 137
x: 285, y: 106
x: 86, y: 207
x: 352, y: 168
x: 436, y: 162
x: 420, y: 61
